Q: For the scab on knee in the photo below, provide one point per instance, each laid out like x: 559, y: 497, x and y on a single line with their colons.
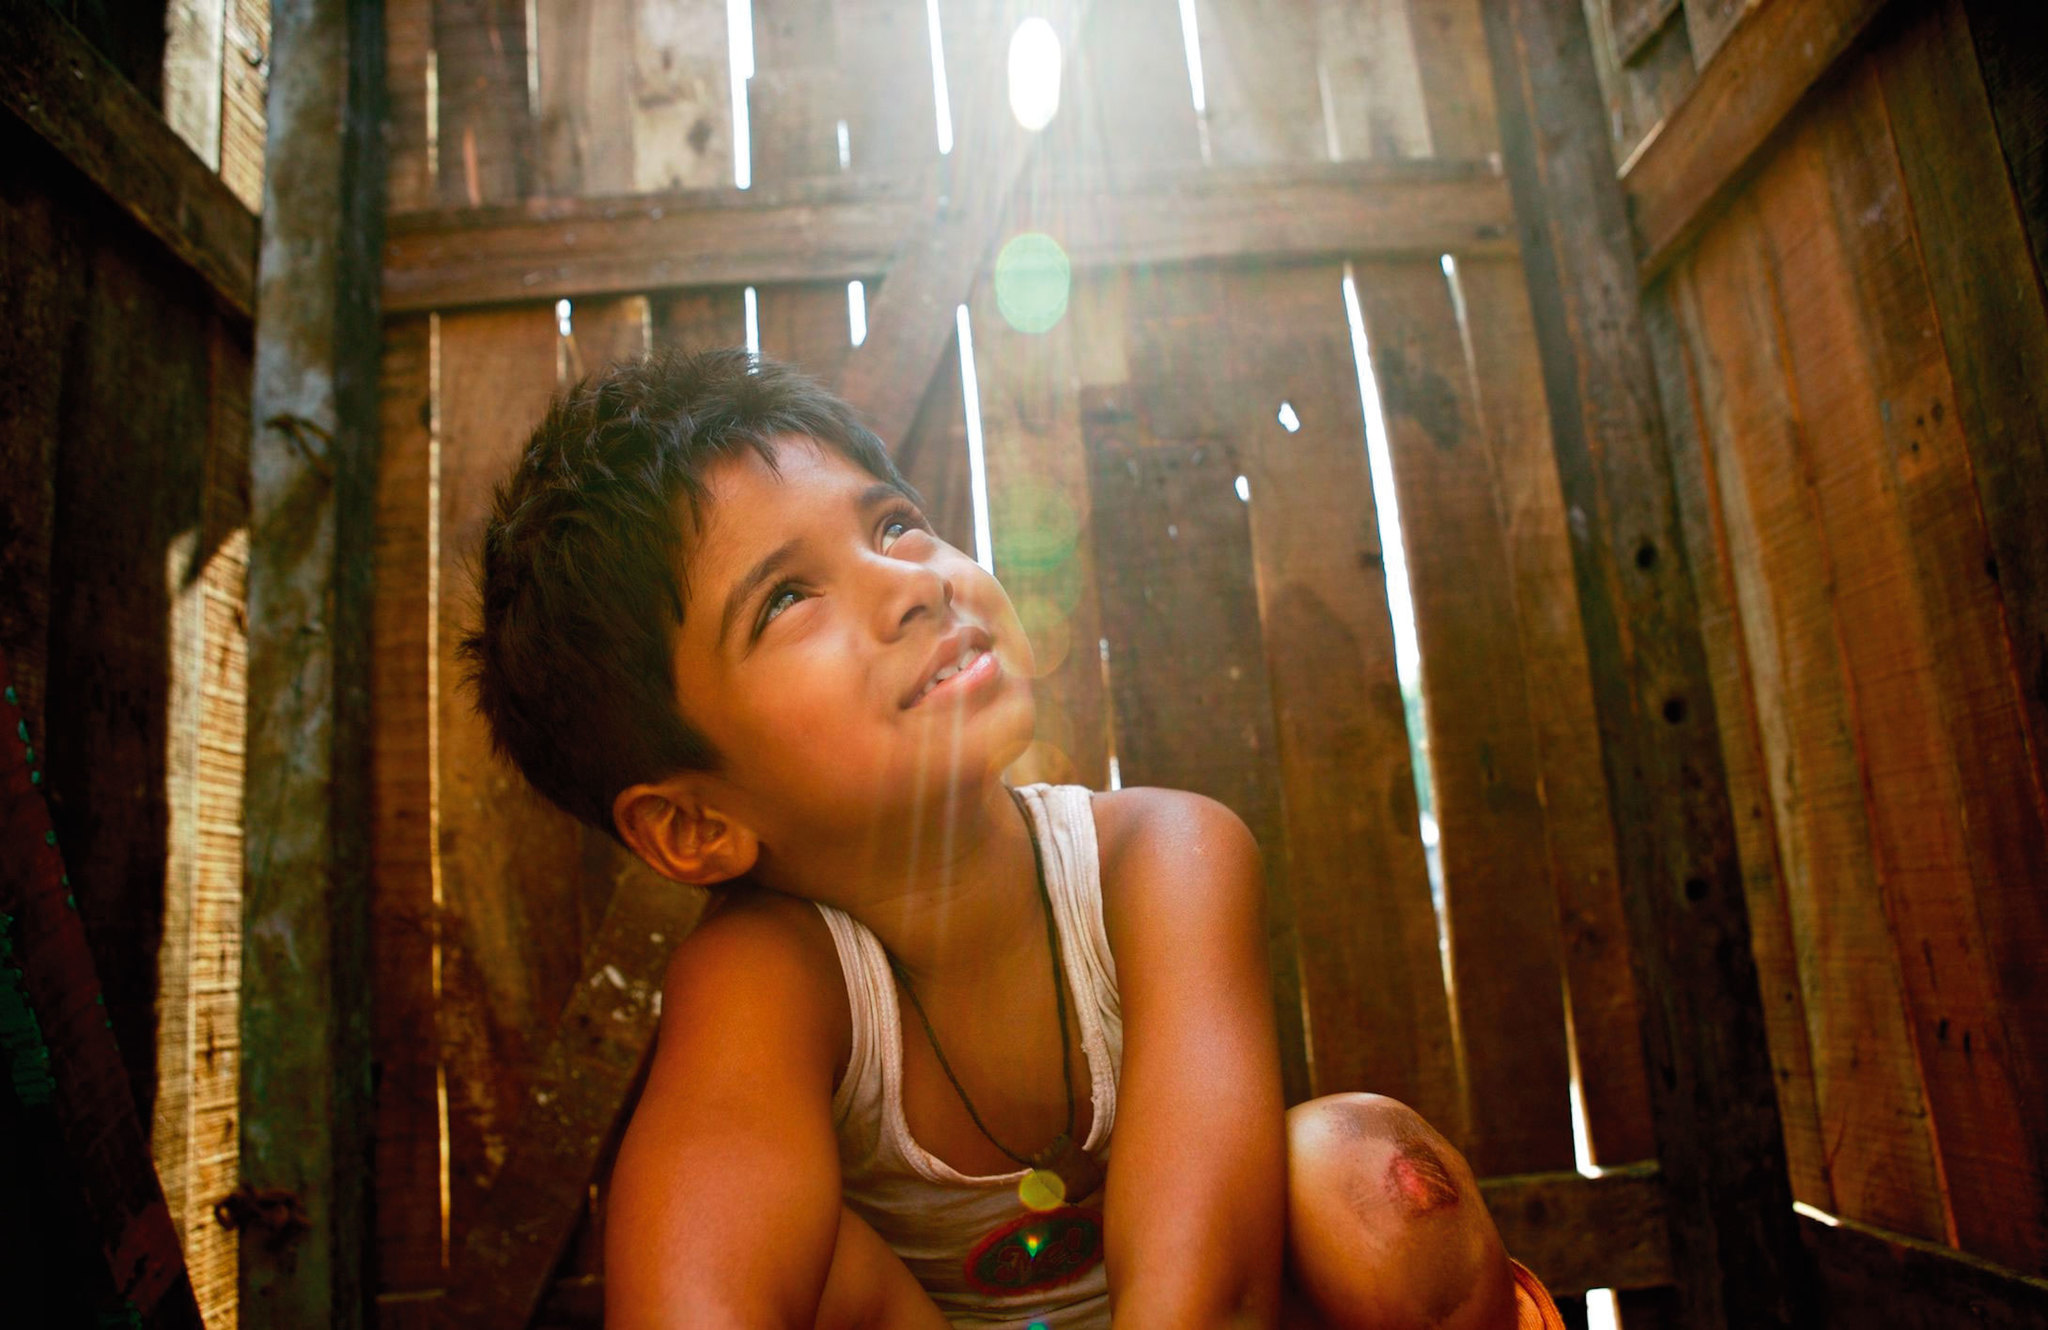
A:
x: 1419, y: 1178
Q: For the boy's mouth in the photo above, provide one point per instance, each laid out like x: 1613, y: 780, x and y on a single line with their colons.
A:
x: 961, y: 654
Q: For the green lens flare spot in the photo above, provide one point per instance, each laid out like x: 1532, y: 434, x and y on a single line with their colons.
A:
x: 1032, y: 280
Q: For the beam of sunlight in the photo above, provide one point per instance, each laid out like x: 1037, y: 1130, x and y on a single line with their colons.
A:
x: 565, y: 318
x: 856, y: 311
x: 1817, y: 1215
x: 752, y: 311
x: 1601, y: 1311
x: 1034, y: 73
x: 1191, y: 41
x: 942, y: 105
x: 845, y: 147
x: 977, y: 462
x: 739, y: 28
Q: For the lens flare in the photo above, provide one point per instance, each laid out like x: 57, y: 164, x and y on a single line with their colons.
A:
x: 1032, y: 280
x: 1041, y: 1189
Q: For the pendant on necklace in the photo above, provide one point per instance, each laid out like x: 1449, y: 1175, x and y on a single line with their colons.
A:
x: 1063, y: 1172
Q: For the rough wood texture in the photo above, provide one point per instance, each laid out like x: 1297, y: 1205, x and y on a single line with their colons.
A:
x: 440, y: 260
x: 1457, y: 86
x: 83, y: 1075
x: 1545, y: 1219
x: 1260, y: 108
x: 1187, y: 676
x: 511, y: 1248
x: 682, y: 95
x: 1711, y: 1090
x: 1372, y: 89
x: 305, y: 998
x: 486, y: 142
x: 1501, y: 907
x: 244, y: 89
x: 2012, y: 52
x: 72, y: 96
x: 1877, y: 1278
x: 411, y: 165
x: 1371, y: 969
x: 586, y: 125
x: 1767, y: 64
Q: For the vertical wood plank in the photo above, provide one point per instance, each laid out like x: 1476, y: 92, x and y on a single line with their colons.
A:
x: 192, y: 74
x: 1371, y: 969
x: 933, y: 453
x: 1261, y: 105
x: 1867, y: 1081
x: 1578, y: 822
x: 682, y: 95
x: 411, y: 162
x: 485, y: 129
x: 885, y: 88
x: 1126, y: 103
x: 2012, y: 52
x: 411, y: 1245
x: 1708, y: 554
x: 1457, y: 86
x: 1501, y: 908
x: 1369, y: 80
x: 585, y: 132
x: 799, y: 90
x: 806, y: 325
x: 1187, y: 673
x: 245, y: 86
x: 1040, y: 518
x: 509, y: 860
x: 700, y: 319
x: 603, y: 331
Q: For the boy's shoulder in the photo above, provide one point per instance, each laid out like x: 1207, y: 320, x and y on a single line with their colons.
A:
x: 1169, y: 850
x: 760, y: 952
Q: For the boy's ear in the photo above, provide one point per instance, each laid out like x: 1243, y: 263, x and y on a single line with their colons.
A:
x: 683, y: 835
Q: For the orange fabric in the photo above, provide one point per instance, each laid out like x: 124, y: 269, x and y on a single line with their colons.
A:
x: 1533, y: 1308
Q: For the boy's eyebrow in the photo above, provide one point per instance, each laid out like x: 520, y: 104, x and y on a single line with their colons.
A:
x: 755, y: 576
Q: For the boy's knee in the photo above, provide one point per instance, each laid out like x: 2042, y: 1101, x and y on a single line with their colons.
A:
x: 1386, y: 1225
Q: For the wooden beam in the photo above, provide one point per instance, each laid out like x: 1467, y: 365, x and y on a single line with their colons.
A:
x: 502, y: 1271
x: 70, y: 94
x: 1877, y: 1278
x: 1550, y: 1223
x: 1734, y: 1248
x: 448, y: 259
x: 1698, y: 155
x: 307, y: 1114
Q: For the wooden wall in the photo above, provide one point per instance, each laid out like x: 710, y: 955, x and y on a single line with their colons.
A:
x: 123, y: 561
x: 1198, y: 640
x: 1852, y: 350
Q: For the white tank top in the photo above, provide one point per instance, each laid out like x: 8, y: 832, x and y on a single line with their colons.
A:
x: 982, y: 1255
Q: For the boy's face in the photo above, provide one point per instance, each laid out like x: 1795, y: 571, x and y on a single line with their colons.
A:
x: 821, y: 609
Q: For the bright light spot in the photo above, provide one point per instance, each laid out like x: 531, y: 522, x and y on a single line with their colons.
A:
x: 1191, y: 38
x: 856, y: 313
x: 845, y: 147
x: 1034, y: 74
x: 1288, y: 420
x: 753, y: 317
x: 739, y: 29
x: 1244, y: 489
x: 563, y: 317
x: 1379, y: 455
x: 1041, y: 1189
x: 1601, y: 1311
x: 1116, y: 775
x: 1817, y: 1216
x: 977, y: 463
x: 1032, y: 280
x: 941, y: 103
x: 1448, y: 264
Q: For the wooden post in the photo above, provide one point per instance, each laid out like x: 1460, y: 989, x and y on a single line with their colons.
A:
x: 1735, y: 1247
x: 305, y: 1002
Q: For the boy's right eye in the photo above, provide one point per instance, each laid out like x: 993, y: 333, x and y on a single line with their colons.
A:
x: 778, y: 600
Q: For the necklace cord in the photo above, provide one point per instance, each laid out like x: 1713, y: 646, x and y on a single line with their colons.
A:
x: 1063, y: 1142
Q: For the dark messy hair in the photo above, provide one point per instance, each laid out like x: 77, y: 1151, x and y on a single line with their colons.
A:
x: 582, y: 572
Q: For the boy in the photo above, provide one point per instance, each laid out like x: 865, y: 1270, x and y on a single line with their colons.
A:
x: 716, y: 625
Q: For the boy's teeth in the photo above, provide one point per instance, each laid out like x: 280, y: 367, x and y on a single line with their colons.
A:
x: 945, y: 672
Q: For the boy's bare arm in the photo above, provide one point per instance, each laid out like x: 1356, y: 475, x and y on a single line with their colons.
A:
x: 1197, y: 1184
x: 725, y: 1204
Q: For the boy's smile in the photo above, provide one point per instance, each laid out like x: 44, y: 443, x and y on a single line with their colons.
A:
x: 845, y: 662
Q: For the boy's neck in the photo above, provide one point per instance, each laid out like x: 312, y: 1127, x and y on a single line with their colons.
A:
x: 948, y: 892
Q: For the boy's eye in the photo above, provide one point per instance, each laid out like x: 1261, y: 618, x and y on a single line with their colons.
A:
x: 897, y: 526
x: 780, y: 600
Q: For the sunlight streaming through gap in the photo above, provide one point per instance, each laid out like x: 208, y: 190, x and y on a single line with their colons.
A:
x: 739, y: 28
x: 533, y: 58
x: 1034, y: 73
x: 942, y: 105
x: 751, y: 310
x: 856, y: 312
x: 977, y: 463
x: 1191, y: 43
x: 1407, y: 651
x: 845, y: 147
x: 1601, y: 1311
x: 433, y: 117
x: 565, y: 318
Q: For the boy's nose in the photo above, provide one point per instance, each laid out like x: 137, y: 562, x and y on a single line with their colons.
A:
x: 913, y: 589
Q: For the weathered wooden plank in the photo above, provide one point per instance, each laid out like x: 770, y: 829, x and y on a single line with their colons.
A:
x: 2012, y: 55
x: 412, y: 164
x: 510, y: 861
x: 1040, y: 509
x: 1549, y: 1221
x: 1704, y: 1036
x: 1709, y: 22
x: 411, y: 1242
x: 446, y: 260
x: 682, y: 95
x: 1735, y: 708
x: 806, y: 325
x: 1877, y: 1278
x: 1260, y: 107
x: 796, y: 99
x: 603, y: 332
x: 586, y: 56
x: 1642, y: 92
x: 1370, y: 84
x: 192, y: 74
x: 1867, y: 1082
x: 486, y: 136
x: 79, y: 103
x: 306, y: 1093
x: 884, y: 87
x: 699, y: 320
x: 1189, y: 694
x: 1908, y: 730
x: 70, y: 1059
x: 1371, y: 969
x: 244, y: 90
x: 1500, y: 904
x: 1765, y: 67
x: 1457, y: 88
x: 1635, y: 22
x: 1995, y: 331
x: 1578, y: 824
x: 510, y: 1250
x: 1126, y: 103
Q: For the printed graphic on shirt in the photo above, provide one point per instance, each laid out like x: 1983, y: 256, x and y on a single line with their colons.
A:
x: 1035, y: 1252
